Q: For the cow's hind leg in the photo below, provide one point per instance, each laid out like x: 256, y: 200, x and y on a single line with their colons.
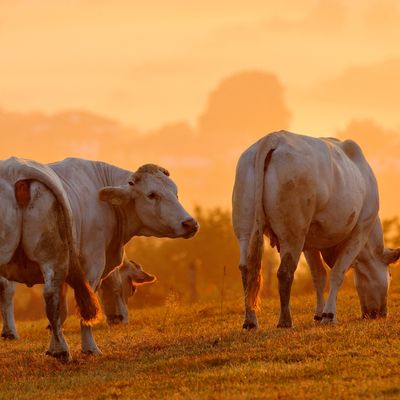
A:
x: 89, y: 345
x: 45, y: 243
x: 58, y: 347
x: 7, y: 290
x: 318, y: 274
x: 250, y: 318
x: 289, y: 260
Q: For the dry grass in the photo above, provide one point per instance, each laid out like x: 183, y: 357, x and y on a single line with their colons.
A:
x: 177, y: 352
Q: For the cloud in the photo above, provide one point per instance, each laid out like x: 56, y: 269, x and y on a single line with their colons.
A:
x: 376, y: 85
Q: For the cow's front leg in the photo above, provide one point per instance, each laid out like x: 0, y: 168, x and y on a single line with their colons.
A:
x: 318, y: 274
x: 7, y: 290
x: 348, y: 253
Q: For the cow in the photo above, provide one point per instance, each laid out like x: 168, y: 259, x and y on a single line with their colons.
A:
x: 37, y: 242
x: 116, y: 289
x: 98, y: 208
x: 114, y: 293
x: 317, y: 196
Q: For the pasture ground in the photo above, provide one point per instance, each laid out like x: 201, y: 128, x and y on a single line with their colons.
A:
x: 201, y: 352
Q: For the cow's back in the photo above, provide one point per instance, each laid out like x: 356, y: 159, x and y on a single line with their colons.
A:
x: 324, y: 185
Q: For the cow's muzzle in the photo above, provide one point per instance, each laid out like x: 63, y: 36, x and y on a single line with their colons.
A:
x: 190, y: 227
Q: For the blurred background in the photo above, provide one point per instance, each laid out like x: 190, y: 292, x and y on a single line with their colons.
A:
x: 190, y: 85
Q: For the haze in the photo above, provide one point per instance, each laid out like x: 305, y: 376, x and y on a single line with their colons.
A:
x: 191, y: 84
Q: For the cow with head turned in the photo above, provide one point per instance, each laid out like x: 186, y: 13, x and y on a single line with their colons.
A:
x: 114, y: 292
x: 317, y: 196
x: 69, y: 222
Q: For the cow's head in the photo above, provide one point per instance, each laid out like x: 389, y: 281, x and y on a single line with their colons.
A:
x: 372, y: 276
x: 153, y: 197
x: 132, y: 276
x: 116, y: 289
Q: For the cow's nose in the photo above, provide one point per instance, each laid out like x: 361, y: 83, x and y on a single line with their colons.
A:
x: 190, y: 224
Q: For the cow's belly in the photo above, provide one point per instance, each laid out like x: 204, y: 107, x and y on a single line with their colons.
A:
x: 21, y: 269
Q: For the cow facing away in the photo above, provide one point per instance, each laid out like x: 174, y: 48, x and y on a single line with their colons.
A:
x: 317, y: 196
x: 98, y: 208
x: 37, y: 243
x: 114, y: 293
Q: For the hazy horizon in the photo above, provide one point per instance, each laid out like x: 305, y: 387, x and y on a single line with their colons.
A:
x: 190, y: 86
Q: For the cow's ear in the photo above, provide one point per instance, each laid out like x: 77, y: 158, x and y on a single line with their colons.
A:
x: 391, y: 255
x: 140, y: 277
x: 116, y: 196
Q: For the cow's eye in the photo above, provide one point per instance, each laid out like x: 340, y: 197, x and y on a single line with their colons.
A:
x: 152, y: 195
x: 131, y: 183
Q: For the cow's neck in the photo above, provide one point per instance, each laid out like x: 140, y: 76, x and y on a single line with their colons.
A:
x: 125, y: 227
x: 128, y: 222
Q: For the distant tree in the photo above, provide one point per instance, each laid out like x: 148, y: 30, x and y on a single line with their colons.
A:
x: 244, y: 107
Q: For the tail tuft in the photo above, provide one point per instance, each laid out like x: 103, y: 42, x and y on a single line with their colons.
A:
x: 86, y: 299
x: 254, y: 275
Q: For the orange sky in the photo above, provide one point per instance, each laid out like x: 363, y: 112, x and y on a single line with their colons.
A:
x: 146, y: 63
x: 149, y: 64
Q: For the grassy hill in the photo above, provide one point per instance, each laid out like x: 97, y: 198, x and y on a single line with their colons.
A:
x: 201, y: 352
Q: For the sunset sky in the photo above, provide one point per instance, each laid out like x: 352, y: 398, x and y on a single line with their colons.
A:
x: 148, y: 64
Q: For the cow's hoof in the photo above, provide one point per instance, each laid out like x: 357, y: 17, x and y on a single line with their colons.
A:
x: 92, y: 352
x: 328, y: 319
x: 317, y: 318
x: 9, y: 336
x: 285, y: 324
x: 62, y: 356
x: 115, y: 319
x: 249, y: 325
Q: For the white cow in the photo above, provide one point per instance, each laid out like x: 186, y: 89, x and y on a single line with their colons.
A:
x: 116, y: 289
x: 114, y: 293
x: 317, y: 196
x: 104, y: 205
x: 37, y: 244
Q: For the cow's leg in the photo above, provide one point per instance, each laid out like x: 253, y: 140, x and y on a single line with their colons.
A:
x: 287, y: 267
x: 250, y: 318
x: 318, y: 274
x: 58, y: 347
x: 89, y: 345
x: 7, y: 290
x: 44, y: 243
x: 348, y: 253
x: 10, y: 236
x: 63, y: 303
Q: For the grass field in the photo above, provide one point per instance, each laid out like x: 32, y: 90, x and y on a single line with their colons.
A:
x: 201, y: 352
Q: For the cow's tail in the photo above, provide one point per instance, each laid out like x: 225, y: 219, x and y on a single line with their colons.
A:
x: 86, y: 299
x: 256, y: 245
